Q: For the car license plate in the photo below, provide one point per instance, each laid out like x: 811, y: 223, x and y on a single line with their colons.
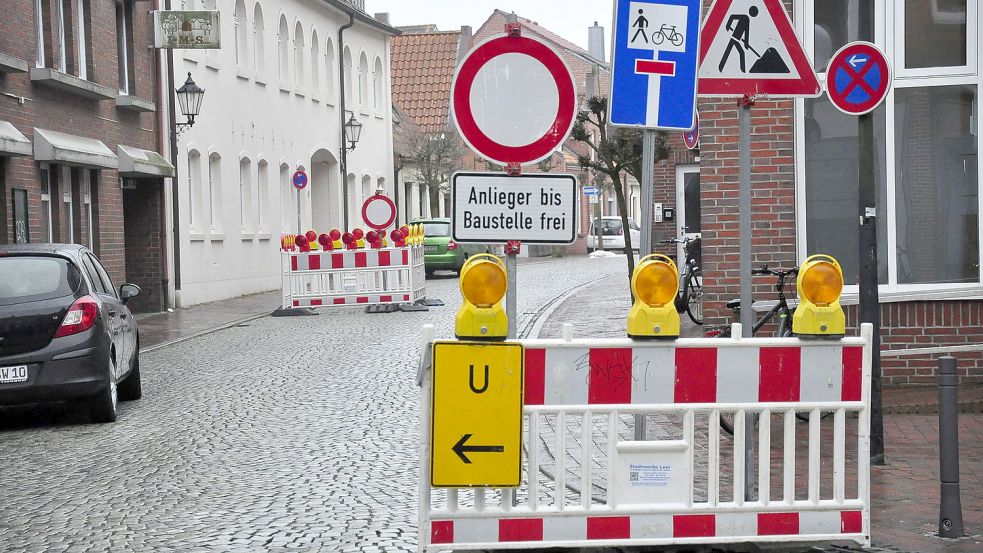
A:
x: 429, y: 249
x: 10, y: 375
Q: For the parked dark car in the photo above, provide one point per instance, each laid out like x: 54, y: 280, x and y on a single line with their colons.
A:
x: 65, y: 330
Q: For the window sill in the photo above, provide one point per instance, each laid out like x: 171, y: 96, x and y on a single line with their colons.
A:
x: 300, y: 93
x: 213, y: 63
x: 191, y: 56
x: 216, y: 236
x: 70, y: 83
x: 132, y: 103
x: 197, y: 236
x: 12, y: 64
x: 285, y: 88
x: 329, y: 103
x: 243, y: 75
x: 264, y: 236
x: 259, y: 80
x: 315, y: 99
x: 364, y: 112
x: 248, y: 237
x: 378, y: 116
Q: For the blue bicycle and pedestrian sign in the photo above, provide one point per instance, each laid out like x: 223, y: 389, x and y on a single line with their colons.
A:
x: 858, y: 78
x: 656, y: 47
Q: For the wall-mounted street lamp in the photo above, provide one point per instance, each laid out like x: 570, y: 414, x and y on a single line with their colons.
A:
x: 353, y: 131
x: 189, y: 97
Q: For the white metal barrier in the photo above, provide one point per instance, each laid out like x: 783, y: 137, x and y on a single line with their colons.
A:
x: 588, y: 482
x: 353, y: 277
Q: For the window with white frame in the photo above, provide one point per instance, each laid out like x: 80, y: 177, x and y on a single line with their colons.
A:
x: 245, y: 191
x: 39, y: 33
x: 262, y: 193
x: 194, y: 188
x: 241, y: 25
x: 283, y: 50
x: 122, y: 46
x: 329, y: 71
x: 363, y: 81
x: 349, y: 98
x: 299, y: 56
x: 214, y: 191
x: 315, y: 65
x: 377, y: 85
x: 926, y: 142
x: 81, y: 14
x: 61, y: 25
x: 67, y: 205
x: 47, y: 230
x: 259, y: 44
x: 85, y: 180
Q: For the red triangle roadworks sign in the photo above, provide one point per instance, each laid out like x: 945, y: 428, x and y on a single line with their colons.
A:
x: 748, y: 47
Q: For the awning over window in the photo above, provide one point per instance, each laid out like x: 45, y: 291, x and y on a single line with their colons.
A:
x: 68, y: 149
x: 134, y: 162
x: 12, y: 142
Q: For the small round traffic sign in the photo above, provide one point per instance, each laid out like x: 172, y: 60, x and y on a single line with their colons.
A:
x: 692, y: 137
x: 513, y: 100
x: 858, y: 78
x: 379, y: 211
x: 300, y: 180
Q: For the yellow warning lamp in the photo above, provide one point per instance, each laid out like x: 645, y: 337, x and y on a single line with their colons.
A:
x: 820, y: 283
x: 654, y: 283
x: 483, y: 284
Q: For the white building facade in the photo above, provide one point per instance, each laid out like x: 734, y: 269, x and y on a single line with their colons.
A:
x: 273, y: 106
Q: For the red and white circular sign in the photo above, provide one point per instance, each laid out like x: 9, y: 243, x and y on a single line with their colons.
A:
x: 513, y: 100
x: 379, y: 211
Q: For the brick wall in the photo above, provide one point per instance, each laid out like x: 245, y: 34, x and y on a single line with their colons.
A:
x: 143, y: 236
x: 62, y: 111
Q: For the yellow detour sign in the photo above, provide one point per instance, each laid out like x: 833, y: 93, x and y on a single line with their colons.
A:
x: 476, y: 420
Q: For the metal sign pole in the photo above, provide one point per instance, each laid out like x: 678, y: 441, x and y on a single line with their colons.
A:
x: 510, y: 263
x: 648, y: 168
x: 870, y: 309
x: 747, y: 319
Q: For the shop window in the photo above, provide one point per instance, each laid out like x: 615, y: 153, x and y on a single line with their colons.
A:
x: 68, y: 209
x: 838, y: 23
x: 22, y: 227
x: 47, y: 230
x: 85, y: 183
x: 937, y: 198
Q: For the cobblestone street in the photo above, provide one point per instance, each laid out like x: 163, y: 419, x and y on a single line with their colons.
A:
x: 296, y: 433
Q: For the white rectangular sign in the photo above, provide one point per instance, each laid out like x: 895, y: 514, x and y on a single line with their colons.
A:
x: 496, y: 208
x: 196, y: 30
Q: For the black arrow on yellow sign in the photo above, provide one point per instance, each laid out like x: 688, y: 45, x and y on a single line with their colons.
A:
x: 461, y: 449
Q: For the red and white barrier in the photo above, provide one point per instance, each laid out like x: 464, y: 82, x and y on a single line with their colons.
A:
x: 353, y: 277
x: 588, y: 482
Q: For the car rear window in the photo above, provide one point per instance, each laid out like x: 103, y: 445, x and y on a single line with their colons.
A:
x: 436, y: 229
x: 36, y: 278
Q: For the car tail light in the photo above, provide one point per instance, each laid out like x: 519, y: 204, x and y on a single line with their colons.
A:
x: 451, y: 245
x: 80, y: 317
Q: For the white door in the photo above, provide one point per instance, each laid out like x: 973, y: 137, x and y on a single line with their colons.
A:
x: 688, y: 208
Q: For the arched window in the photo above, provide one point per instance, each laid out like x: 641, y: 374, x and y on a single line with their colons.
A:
x: 363, y: 81
x: 214, y: 191
x: 299, y: 55
x: 349, y: 98
x: 288, y: 213
x: 245, y: 193
x: 329, y: 71
x: 241, y: 25
x: 283, y: 49
x: 377, y: 85
x: 262, y: 194
x: 194, y: 188
x: 259, y: 40
x: 315, y: 64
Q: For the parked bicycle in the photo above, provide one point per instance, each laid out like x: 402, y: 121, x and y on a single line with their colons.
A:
x: 782, y: 310
x: 668, y: 32
x: 690, y: 296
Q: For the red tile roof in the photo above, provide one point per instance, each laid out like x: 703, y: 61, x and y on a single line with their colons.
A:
x: 422, y: 70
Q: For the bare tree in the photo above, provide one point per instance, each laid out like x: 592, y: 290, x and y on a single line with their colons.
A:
x: 615, y: 153
x: 435, y: 156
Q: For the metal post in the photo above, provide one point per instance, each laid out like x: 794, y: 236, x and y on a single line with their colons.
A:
x: 950, y: 508
x: 510, y: 263
x: 648, y: 168
x: 747, y: 319
x: 870, y: 309
x: 599, y: 236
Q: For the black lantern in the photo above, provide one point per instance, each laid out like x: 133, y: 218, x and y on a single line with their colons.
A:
x: 353, y: 131
x: 189, y: 97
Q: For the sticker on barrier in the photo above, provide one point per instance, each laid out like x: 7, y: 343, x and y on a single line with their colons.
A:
x: 588, y: 481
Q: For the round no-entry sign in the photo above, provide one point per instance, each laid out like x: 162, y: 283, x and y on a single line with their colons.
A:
x: 300, y: 180
x: 858, y: 78
x: 379, y: 211
x: 513, y: 100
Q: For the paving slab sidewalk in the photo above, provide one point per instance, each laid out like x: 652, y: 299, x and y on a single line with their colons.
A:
x: 904, y: 492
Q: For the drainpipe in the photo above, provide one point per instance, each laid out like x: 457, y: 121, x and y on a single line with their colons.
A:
x: 175, y: 203
x: 396, y: 171
x: 341, y: 91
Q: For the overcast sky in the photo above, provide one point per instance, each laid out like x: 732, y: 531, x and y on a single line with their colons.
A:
x: 567, y: 18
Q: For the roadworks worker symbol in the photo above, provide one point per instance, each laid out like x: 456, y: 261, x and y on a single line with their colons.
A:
x: 657, y: 27
x: 753, y: 42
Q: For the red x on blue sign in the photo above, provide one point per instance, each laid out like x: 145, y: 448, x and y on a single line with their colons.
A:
x: 858, y: 78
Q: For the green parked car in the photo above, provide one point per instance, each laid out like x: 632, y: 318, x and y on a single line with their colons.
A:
x: 440, y: 252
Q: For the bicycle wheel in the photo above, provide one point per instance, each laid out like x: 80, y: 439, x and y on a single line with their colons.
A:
x: 658, y: 37
x: 694, y: 303
x: 804, y: 417
x: 727, y: 425
x: 676, y: 39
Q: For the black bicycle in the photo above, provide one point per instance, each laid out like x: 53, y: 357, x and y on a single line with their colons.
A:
x: 690, y: 296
